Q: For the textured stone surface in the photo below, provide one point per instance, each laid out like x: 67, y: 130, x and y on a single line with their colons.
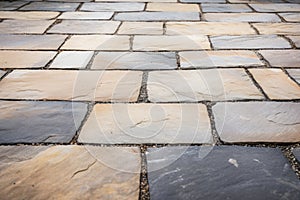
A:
x: 138, y: 28
x: 121, y: 86
x: 30, y: 122
x: 197, y: 85
x: 26, y: 59
x: 172, y: 7
x: 249, y: 42
x: 203, y: 1
x: 278, y: 28
x: 241, y: 17
x: 134, y: 60
x: 113, y: 7
x: 86, y: 15
x: 276, y: 83
x: 147, y: 123
x: 296, y: 40
x: 24, y: 26
x: 2, y: 73
x: 204, y: 59
x: 295, y: 73
x: 225, y: 8
x: 258, y: 121
x: 51, y: 6
x: 157, y: 16
x: 11, y: 5
x: 70, y: 172
x: 296, y: 153
x: 279, y: 7
x: 287, y: 58
x: 235, y: 172
x: 291, y: 17
x: 72, y: 59
x: 27, y: 15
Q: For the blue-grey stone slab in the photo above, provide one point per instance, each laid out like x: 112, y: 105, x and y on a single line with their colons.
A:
x: 296, y: 153
x: 51, y: 6
x: 11, y: 5
x: 225, y: 8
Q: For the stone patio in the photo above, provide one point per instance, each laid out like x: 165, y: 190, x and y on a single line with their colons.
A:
x: 150, y: 99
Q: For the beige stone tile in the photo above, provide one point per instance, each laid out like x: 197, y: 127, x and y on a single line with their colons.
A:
x: 172, y: 7
x: 113, y: 6
x: 138, y: 28
x: 97, y: 42
x: 32, y: 15
x: 276, y: 7
x: 241, y: 17
x: 122, y: 86
x: 70, y: 172
x: 282, y: 58
x: 295, y: 74
x: 25, y: 59
x: 25, y: 26
x: 205, y: 59
x: 296, y: 40
x: 199, y: 85
x: 86, y: 15
x: 147, y: 123
x: 154, y: 43
x: 278, y: 28
x: 208, y: 28
x: 72, y: 59
x: 291, y: 17
x: 276, y: 84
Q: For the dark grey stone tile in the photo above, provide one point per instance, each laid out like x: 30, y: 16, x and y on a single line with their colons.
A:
x: 11, y: 5
x: 51, y: 6
x: 157, y: 16
x: 296, y: 153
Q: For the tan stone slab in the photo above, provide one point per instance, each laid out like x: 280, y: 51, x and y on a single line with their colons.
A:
x: 113, y: 6
x: 70, y: 172
x: 208, y: 28
x: 205, y: 59
x: 147, y: 123
x: 276, y: 7
x: 25, y: 26
x: 258, y: 121
x: 86, y: 15
x: 199, y: 85
x: 276, y: 84
x: 25, y: 59
x: 141, y: 28
x: 278, y: 28
x: 122, y: 86
x: 97, y: 42
x: 291, y: 17
x: 34, y: 15
x: 295, y: 74
x: 241, y: 17
x: 295, y: 40
x: 282, y: 58
x: 72, y: 59
x: 154, y: 43
x: 172, y: 7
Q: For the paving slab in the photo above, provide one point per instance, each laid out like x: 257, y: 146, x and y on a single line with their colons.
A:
x: 278, y: 28
x: 86, y: 15
x: 296, y: 153
x: 257, y: 1
x: 25, y: 26
x: 203, y: 1
x: 141, y: 28
x: 157, y: 16
x: 280, y: 58
x: 276, y: 7
x: 291, y: 17
x: 51, y: 6
x: 11, y: 5
x: 241, y: 17
x: 72, y: 59
x: 34, y: 15
x: 295, y: 74
x: 223, y: 8
x: 174, y: 1
x: 172, y: 7
x: 113, y: 7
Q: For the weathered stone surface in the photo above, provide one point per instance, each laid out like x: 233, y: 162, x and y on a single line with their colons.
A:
x: 276, y: 84
x: 113, y: 86
x: 11, y: 5
x: 25, y: 59
x: 276, y: 7
x: 51, y: 6
x: 258, y: 121
x: 154, y: 43
x: 2, y: 73
x: 31, y: 122
x: 208, y: 28
x: 113, y: 7
x: 147, y: 123
x: 97, y: 42
x: 296, y: 153
x: 280, y: 58
x: 295, y: 74
x: 249, y: 42
x: 85, y: 27
x: 70, y: 172
x: 203, y: 1
x: 278, y: 28
x: 291, y: 17
x: 296, y: 40
x: 172, y: 7
x: 39, y: 42
x: 225, y: 8
x: 72, y: 59
x: 234, y: 172
x: 24, y: 26
x: 256, y: 1
x: 157, y: 16
x: 135, y: 60
x: 205, y: 59
x: 86, y: 15
x: 241, y: 17
x: 138, y: 28
x: 174, y: 1
x: 197, y: 85
x: 27, y: 15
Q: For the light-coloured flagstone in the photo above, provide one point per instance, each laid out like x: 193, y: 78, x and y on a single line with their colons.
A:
x: 291, y: 17
x: 157, y: 16
x: 203, y: 1
x: 276, y: 7
x: 33, y: 15
x: 278, y: 28
x: 241, y: 17
x: 295, y: 74
x: 24, y: 26
x: 256, y: 1
x: 72, y: 59
x: 119, y: 7
x: 11, y: 5
x: 51, y: 6
x: 137, y: 1
x: 295, y: 40
x: 141, y: 28
x: 223, y: 8
x: 85, y: 15
x: 172, y: 7
x: 282, y: 58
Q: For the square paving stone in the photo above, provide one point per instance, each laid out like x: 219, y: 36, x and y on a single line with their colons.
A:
x: 51, y: 6
x: 113, y: 7
x: 231, y: 8
x: 157, y: 16
x: 147, y: 123
x: 276, y: 84
x: 291, y: 17
x: 24, y: 26
x: 220, y: 172
x: 295, y: 40
x: 86, y: 15
x: 295, y: 73
x: 172, y: 7
x: 296, y: 153
x: 30, y: 122
x: 72, y: 59
x: 278, y: 28
x: 276, y: 7
x: 11, y: 5
x: 113, y: 86
x: 282, y: 58
x: 27, y: 15
x: 141, y: 28
x: 241, y: 17
x: 258, y: 121
x: 70, y: 172
x: 135, y: 60
x: 199, y: 85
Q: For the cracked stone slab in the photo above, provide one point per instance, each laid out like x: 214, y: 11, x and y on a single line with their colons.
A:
x: 72, y: 59
x: 223, y: 8
x: 51, y: 6
x: 11, y: 5
x: 296, y: 153
x: 24, y: 26
x: 141, y: 28
x: 282, y: 58
x: 86, y: 15
x: 291, y: 17
x: 295, y: 74
x: 31, y: 122
x: 157, y: 16
x: 116, y: 86
x: 83, y: 172
x: 276, y: 7
x: 172, y: 7
x: 241, y: 17
x: 34, y: 15
x: 235, y: 172
x: 119, y: 7
x: 295, y: 40
x: 278, y: 28
x: 147, y: 123
x: 199, y: 85
x: 258, y: 121
x: 135, y: 60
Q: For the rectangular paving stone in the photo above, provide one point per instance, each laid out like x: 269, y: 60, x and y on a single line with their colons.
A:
x: 141, y: 28
x: 119, y: 7
x: 291, y: 17
x: 249, y: 42
x: 85, y: 27
x: 276, y: 84
x: 282, y: 58
x: 296, y: 153
x: 24, y: 26
x: 25, y: 59
x: 278, y: 28
x: 256, y: 1
x: 147, y: 123
x: 30, y: 42
x: 257, y: 121
x: 241, y: 17
x: 157, y: 16
x: 51, y: 6
x: 206, y: 59
x: 231, y: 8
x: 295, y: 74
x: 135, y: 60
x: 86, y: 15
x: 75, y: 168
x: 11, y: 5
x: 72, y: 59
x: 295, y: 40
x: 172, y: 7
x: 27, y: 15
x: 276, y: 7
x: 115, y: 86
x: 137, y: 1
x: 31, y: 122
x: 202, y: 1
x: 97, y: 42
x: 234, y: 171
x: 155, y: 43
x: 199, y: 85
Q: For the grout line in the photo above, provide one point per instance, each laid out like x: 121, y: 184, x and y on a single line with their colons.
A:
x: 289, y: 40
x: 214, y: 132
x: 144, y: 184
x: 287, y: 152
x: 18, y: 9
x: 56, y: 21
x: 91, y: 61
x: 255, y: 29
x: 143, y: 95
x: 79, y: 6
x: 289, y: 76
x: 178, y: 60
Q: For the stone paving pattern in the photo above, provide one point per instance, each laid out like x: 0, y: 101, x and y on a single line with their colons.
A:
x: 150, y: 99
